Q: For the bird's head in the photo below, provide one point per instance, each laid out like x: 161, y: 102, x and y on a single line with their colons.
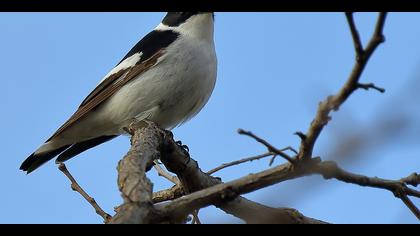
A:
x: 197, y: 24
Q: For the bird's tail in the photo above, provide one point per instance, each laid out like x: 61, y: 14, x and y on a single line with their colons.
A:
x: 52, y: 148
x: 41, y: 156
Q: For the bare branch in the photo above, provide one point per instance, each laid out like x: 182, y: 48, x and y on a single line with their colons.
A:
x: 328, y: 169
x: 76, y: 187
x: 301, y: 135
x: 191, y: 176
x: 234, y: 163
x: 358, y: 46
x: 169, y: 194
x: 333, y: 103
x: 411, y: 206
x: 135, y: 187
x: 413, y: 179
x: 196, y: 219
x: 270, y: 147
x: 227, y: 193
x: 163, y: 173
x: 371, y: 86
x: 398, y: 188
x: 150, y: 143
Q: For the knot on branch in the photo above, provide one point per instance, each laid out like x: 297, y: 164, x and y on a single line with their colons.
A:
x: 399, y: 190
x: 328, y: 169
x: 228, y: 194
x: 413, y: 179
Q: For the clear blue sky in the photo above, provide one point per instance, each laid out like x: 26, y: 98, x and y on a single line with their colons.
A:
x: 274, y: 68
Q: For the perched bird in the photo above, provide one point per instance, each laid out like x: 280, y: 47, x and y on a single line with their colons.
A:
x: 167, y: 78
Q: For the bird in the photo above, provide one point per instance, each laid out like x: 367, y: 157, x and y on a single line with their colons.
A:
x: 166, y: 78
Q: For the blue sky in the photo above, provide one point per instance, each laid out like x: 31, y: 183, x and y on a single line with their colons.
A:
x: 274, y: 68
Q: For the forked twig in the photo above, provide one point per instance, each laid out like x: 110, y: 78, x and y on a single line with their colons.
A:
x: 238, y: 162
x: 270, y: 147
x: 76, y: 187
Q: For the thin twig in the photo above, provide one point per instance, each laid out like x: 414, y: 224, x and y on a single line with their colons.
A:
x: 270, y: 147
x: 410, y: 206
x: 272, y: 160
x: 358, y: 46
x: 301, y: 135
x: 76, y: 187
x: 196, y: 219
x: 234, y: 163
x: 163, y: 173
x: 329, y: 169
x: 371, y: 86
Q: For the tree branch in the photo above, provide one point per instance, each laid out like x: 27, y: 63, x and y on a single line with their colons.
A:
x: 400, y: 190
x: 169, y: 194
x: 238, y: 162
x: 162, y: 173
x: 193, y: 179
x: 224, y: 192
x: 413, y: 179
x: 333, y: 103
x: 270, y: 147
x: 358, y: 46
x: 76, y: 187
x: 135, y: 187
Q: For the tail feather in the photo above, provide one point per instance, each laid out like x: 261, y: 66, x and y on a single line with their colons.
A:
x: 37, y: 159
x: 48, y: 152
x: 78, y: 148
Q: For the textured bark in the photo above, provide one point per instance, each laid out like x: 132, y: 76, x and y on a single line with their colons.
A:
x: 194, y: 179
x: 149, y: 143
x: 136, y: 189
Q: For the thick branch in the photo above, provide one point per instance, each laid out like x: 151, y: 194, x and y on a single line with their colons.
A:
x: 223, y: 192
x: 168, y: 194
x: 193, y: 179
x: 135, y: 187
x: 397, y: 187
x: 413, y: 179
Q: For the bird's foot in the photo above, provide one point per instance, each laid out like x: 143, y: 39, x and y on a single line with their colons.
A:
x: 185, y: 149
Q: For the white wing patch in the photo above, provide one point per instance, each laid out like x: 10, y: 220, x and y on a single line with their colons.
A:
x: 127, y: 63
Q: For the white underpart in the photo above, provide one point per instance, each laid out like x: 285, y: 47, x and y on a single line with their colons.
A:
x: 169, y: 93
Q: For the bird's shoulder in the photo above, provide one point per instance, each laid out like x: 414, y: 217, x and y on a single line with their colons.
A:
x: 149, y: 45
x: 152, y: 43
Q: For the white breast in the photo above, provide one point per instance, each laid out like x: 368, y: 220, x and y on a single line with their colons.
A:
x: 171, y: 92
